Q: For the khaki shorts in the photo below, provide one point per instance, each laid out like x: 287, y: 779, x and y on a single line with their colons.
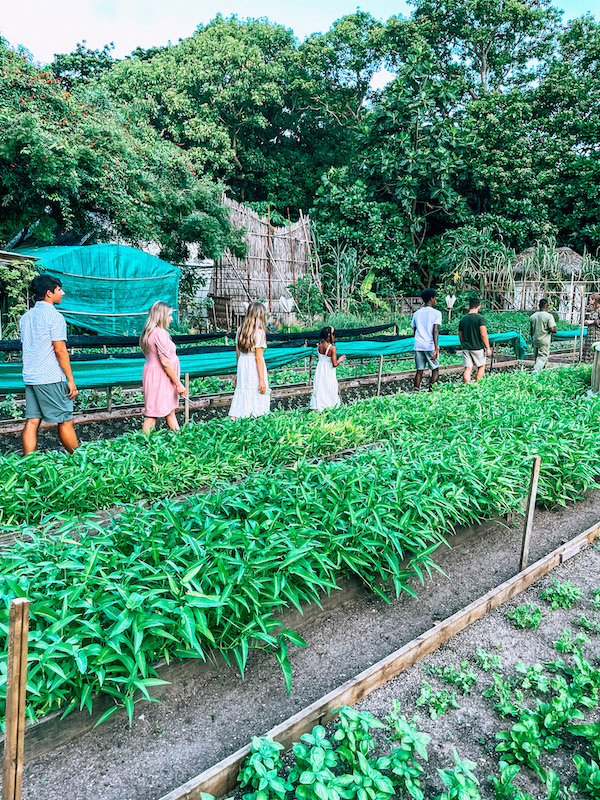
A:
x: 48, y: 401
x: 473, y: 358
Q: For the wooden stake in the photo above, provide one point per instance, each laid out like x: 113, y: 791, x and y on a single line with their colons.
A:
x: 16, y: 682
x: 109, y: 392
x: 582, y: 324
x: 596, y: 372
x: 310, y: 369
x: 186, y: 402
x: 379, y: 376
x: 535, y: 474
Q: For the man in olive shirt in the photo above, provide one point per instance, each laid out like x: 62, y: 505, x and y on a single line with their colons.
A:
x: 472, y: 332
x: 542, y: 326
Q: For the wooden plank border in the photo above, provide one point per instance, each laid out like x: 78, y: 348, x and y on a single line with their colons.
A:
x: 222, y: 777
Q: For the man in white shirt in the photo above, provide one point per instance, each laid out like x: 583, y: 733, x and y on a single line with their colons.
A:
x: 426, y: 323
x: 49, y: 384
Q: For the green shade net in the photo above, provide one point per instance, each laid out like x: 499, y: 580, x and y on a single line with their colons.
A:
x: 562, y: 335
x: 128, y: 372
x: 108, y: 287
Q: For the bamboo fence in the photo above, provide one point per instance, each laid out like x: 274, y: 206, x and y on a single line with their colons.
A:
x: 277, y: 257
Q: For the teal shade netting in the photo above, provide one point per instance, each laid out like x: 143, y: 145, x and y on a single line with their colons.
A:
x: 108, y: 287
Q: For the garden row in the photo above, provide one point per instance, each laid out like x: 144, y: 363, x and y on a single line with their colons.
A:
x: 12, y: 408
x: 525, y: 412
x: 179, y: 580
x: 548, y: 708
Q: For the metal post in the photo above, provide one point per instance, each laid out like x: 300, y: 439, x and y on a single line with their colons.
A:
x: 16, y: 688
x: 533, y: 484
x: 186, y: 401
x: 379, y: 376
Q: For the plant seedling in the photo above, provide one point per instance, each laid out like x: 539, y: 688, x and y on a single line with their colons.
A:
x: 566, y: 643
x: 562, y: 595
x: 488, y: 661
x: 527, y: 616
x: 437, y: 703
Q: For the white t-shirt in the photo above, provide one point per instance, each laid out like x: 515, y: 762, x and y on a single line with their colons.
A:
x: 423, y: 320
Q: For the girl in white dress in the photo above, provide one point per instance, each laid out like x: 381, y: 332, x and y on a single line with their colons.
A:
x: 252, y: 396
x: 325, y: 386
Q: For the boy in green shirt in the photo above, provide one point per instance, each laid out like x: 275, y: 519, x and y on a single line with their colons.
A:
x: 542, y: 326
x: 472, y: 332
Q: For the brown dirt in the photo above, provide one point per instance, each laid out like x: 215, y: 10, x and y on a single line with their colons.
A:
x: 204, y: 720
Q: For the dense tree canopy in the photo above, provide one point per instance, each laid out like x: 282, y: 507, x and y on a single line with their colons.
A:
x: 491, y: 121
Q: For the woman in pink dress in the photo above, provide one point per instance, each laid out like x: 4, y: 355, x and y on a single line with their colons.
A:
x: 160, y: 379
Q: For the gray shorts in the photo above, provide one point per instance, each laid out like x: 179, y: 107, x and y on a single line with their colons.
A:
x: 48, y: 401
x: 473, y: 358
x: 425, y: 358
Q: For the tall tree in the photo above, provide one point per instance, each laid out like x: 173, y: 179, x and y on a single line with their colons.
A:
x: 73, y: 162
x: 414, y: 151
x: 567, y: 107
x: 491, y: 44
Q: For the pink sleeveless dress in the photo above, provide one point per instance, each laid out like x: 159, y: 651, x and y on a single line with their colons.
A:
x: 160, y: 395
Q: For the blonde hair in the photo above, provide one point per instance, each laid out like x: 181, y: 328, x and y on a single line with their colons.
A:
x: 255, y: 322
x: 158, y: 317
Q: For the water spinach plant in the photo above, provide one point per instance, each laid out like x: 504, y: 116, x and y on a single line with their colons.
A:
x: 514, y: 416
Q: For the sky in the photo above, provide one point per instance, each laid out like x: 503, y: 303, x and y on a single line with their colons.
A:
x: 47, y: 28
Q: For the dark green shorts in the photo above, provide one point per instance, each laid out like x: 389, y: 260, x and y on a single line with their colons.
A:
x: 48, y: 401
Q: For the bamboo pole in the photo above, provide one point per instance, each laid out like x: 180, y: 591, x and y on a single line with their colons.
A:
x: 269, y: 251
x: 533, y: 484
x: 292, y: 249
x: 582, y: 323
x: 186, y: 402
x: 16, y: 683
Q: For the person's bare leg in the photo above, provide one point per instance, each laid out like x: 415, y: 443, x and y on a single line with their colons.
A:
x: 149, y: 423
x: 467, y: 375
x: 418, y: 376
x: 435, y: 376
x: 29, y: 435
x: 172, y: 421
x: 67, y: 435
x: 480, y: 373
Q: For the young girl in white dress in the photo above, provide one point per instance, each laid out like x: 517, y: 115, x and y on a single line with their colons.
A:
x: 252, y: 396
x: 325, y: 386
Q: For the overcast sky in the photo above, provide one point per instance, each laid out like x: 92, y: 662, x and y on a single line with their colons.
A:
x: 46, y: 28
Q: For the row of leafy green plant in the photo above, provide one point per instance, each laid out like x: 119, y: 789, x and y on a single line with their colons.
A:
x: 513, y: 415
x: 214, y: 572
x: 548, y: 702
